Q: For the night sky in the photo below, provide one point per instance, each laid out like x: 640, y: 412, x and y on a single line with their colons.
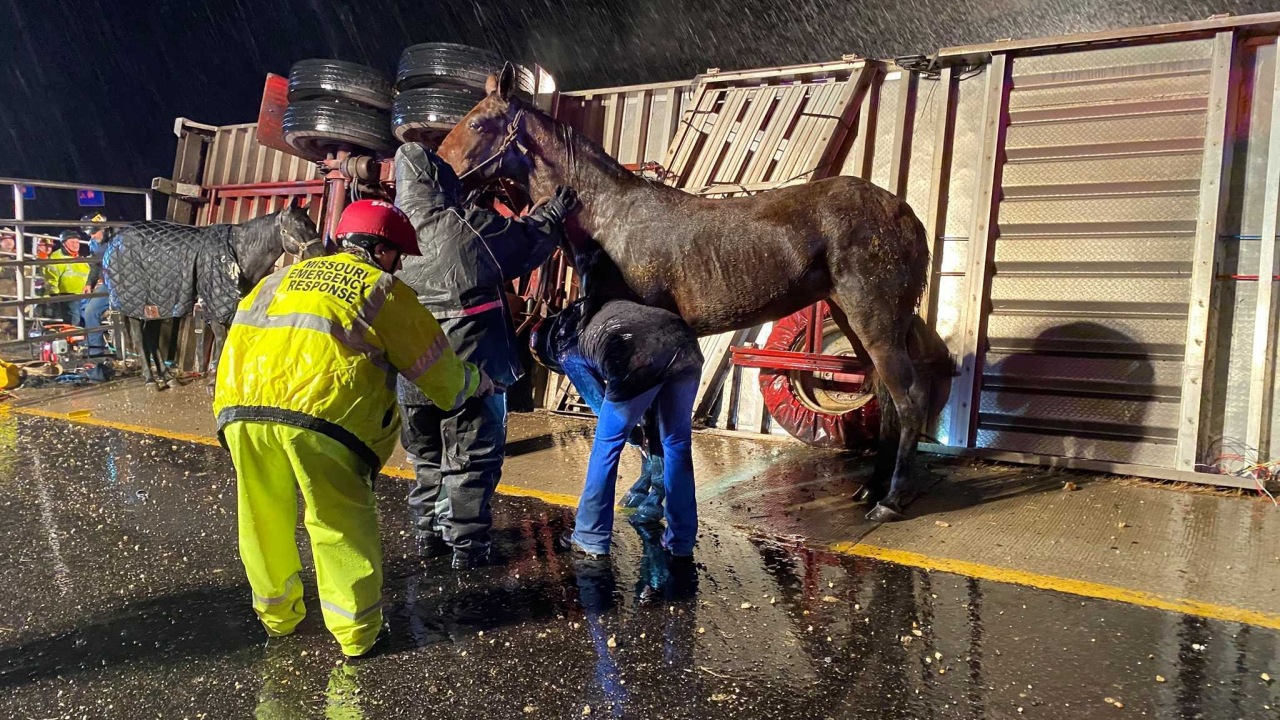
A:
x: 89, y: 89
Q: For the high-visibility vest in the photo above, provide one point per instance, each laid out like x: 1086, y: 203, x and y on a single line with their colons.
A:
x: 67, y: 279
x: 319, y: 344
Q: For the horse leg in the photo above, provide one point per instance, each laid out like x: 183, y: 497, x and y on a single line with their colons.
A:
x: 138, y: 329
x: 878, y: 483
x: 150, y: 334
x: 175, y: 329
x: 883, y: 328
x: 215, y: 353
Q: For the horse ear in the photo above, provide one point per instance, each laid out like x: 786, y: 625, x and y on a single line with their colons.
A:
x: 506, y: 81
x: 491, y: 84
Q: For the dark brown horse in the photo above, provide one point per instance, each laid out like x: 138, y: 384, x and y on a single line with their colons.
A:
x: 725, y: 264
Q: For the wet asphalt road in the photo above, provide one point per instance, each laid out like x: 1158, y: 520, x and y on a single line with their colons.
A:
x: 121, y: 595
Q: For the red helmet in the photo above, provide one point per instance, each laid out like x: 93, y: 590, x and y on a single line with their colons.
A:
x: 381, y: 219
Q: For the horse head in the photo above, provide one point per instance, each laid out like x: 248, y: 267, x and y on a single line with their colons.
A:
x: 297, y: 232
x: 491, y: 141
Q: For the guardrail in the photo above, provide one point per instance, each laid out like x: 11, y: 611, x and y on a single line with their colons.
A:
x: 24, y: 301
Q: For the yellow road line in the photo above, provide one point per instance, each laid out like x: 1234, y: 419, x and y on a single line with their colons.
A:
x: 84, y: 417
x: 1070, y: 586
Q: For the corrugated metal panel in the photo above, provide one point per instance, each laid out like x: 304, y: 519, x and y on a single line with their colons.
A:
x: 235, y: 158
x: 1102, y: 181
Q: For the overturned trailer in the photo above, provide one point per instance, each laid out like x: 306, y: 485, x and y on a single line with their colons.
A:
x: 1102, y: 209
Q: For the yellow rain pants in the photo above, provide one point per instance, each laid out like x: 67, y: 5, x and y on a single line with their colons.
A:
x: 273, y: 461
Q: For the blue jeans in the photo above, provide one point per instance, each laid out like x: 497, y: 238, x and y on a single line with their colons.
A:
x: 593, y: 529
x: 70, y: 311
x: 94, y: 312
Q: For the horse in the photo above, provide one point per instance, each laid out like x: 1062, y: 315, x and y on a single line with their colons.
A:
x: 733, y: 263
x: 156, y: 270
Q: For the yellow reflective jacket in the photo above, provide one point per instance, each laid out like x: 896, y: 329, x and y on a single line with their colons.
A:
x: 67, y: 279
x: 319, y: 344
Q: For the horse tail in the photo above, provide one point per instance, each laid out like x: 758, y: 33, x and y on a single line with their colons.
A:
x: 915, y: 254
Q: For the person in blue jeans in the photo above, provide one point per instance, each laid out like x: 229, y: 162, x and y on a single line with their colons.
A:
x: 624, y: 358
x: 94, y: 310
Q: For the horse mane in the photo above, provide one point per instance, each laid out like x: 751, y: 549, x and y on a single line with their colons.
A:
x: 575, y: 149
x: 255, y: 242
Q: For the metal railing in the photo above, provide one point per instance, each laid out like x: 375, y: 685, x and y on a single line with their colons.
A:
x: 24, y: 302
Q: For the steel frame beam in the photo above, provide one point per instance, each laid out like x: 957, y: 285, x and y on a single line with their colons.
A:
x: 1262, y: 360
x: 1215, y: 169
x: 967, y: 383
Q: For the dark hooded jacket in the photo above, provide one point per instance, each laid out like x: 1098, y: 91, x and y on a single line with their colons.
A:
x: 620, y: 351
x: 468, y: 255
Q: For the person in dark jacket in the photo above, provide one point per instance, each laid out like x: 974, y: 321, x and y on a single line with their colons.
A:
x: 95, y: 310
x: 468, y: 255
x: 623, y: 358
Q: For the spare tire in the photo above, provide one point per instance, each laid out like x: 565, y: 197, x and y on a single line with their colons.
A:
x: 317, y: 127
x: 335, y: 79
x: 428, y: 114
x: 461, y: 67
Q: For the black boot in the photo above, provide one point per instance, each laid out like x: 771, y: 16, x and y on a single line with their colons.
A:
x: 430, y: 545
x: 467, y: 559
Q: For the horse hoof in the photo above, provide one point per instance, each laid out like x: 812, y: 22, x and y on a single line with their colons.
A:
x: 883, y: 513
x: 174, y: 383
x: 151, y: 385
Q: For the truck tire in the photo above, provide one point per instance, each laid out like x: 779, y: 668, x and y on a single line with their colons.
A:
x: 335, y: 79
x: 461, y: 67
x: 790, y: 397
x: 428, y: 114
x: 317, y: 127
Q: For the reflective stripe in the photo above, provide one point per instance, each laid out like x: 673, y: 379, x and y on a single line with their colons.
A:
x: 266, y: 291
x: 352, y: 338
x: 427, y: 359
x: 282, y: 597
x: 468, y: 312
x: 378, y: 297
x: 466, y: 384
x: 349, y: 615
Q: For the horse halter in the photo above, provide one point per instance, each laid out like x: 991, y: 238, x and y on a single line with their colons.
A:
x: 302, y: 247
x: 513, y: 133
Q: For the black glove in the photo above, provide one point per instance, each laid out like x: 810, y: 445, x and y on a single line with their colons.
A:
x: 563, y: 201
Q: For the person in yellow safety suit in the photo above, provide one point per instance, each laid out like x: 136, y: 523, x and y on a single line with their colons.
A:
x: 306, y: 396
x: 71, y: 278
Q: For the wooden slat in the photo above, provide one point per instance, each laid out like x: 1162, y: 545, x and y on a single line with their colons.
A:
x: 711, y: 150
x: 693, y: 127
x: 792, y: 96
x: 808, y: 129
x: 731, y: 168
x: 825, y: 159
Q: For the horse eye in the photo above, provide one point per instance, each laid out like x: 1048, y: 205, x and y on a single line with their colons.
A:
x: 473, y: 125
